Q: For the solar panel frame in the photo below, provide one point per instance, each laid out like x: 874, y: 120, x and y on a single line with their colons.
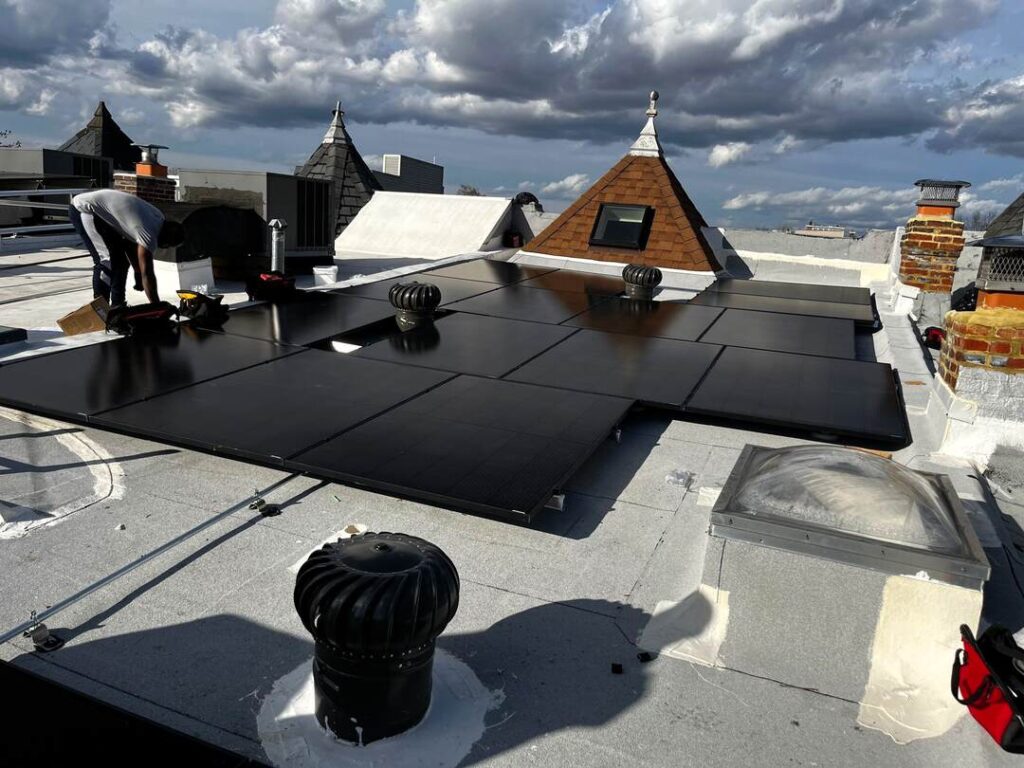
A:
x: 516, y: 302
x: 273, y: 411
x: 649, y: 370
x: 860, y: 314
x: 660, y: 319
x: 799, y: 334
x: 834, y: 294
x: 850, y: 398
x: 310, y: 317
x: 581, y: 282
x: 452, y: 289
x: 126, y: 370
x: 472, y: 344
x: 488, y: 446
x: 489, y: 271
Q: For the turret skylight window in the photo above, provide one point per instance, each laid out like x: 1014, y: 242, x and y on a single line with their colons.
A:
x: 622, y: 226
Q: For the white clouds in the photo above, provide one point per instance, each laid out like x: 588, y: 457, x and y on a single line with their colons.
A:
x: 857, y: 206
x: 989, y: 117
x: 1014, y: 185
x: 747, y: 80
x: 31, y: 31
x: 571, y: 186
x: 724, y: 154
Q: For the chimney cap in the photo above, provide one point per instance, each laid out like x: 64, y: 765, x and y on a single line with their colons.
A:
x: 940, y: 193
x: 941, y: 183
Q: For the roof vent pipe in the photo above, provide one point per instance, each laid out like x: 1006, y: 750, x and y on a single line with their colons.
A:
x: 641, y: 281
x: 415, y: 303
x: 375, y: 605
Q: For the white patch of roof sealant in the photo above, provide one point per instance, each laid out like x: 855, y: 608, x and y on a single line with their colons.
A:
x: 107, y: 474
x: 292, y: 737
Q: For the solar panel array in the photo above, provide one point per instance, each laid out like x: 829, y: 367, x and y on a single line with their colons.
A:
x: 490, y: 408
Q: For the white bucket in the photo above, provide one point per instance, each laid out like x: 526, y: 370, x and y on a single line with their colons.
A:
x: 325, y: 275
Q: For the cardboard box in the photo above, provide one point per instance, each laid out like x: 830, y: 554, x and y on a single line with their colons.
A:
x: 91, y: 317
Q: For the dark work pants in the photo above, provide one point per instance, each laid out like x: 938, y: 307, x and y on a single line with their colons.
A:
x: 110, y: 256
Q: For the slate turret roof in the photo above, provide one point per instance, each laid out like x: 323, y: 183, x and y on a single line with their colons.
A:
x: 103, y: 137
x: 338, y: 159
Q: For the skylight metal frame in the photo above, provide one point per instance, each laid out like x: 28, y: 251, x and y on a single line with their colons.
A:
x: 636, y: 245
x: 970, y: 570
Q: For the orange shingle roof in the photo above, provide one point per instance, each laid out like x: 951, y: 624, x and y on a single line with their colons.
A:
x: 675, y: 240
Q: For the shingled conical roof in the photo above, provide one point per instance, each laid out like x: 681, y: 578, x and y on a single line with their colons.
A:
x: 642, y: 177
x: 1009, y: 222
x: 103, y: 137
x: 338, y: 159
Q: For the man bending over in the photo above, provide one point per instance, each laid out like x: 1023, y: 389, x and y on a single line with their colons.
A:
x: 119, y: 230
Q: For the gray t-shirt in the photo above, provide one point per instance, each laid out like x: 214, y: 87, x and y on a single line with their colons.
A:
x: 131, y: 217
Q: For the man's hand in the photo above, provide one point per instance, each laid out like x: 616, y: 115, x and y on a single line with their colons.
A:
x: 146, y: 274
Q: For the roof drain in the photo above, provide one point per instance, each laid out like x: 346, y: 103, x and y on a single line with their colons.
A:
x: 641, y: 281
x: 415, y: 303
x: 375, y: 605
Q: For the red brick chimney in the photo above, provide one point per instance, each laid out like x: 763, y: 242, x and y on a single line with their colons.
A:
x: 150, y: 180
x: 933, y: 240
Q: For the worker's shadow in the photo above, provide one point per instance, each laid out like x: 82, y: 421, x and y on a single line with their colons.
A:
x: 558, y: 666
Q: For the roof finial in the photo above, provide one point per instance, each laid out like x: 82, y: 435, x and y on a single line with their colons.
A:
x: 336, y: 131
x: 647, y: 144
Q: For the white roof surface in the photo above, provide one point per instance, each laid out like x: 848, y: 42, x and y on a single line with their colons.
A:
x: 413, y: 225
x: 197, y: 635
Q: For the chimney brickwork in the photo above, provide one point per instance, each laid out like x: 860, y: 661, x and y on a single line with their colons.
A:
x: 152, y: 189
x: 928, y: 253
x: 991, y: 339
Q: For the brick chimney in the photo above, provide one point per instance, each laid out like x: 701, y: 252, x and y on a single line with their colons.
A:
x: 933, y: 240
x: 150, y: 180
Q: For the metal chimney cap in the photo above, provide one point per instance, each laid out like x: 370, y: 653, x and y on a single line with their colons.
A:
x: 150, y: 152
x: 941, y: 183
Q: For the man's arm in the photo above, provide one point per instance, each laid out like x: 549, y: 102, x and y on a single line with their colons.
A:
x: 144, y: 261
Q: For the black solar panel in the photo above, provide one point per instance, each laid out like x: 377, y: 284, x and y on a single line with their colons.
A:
x: 311, y: 317
x: 836, y: 294
x: 464, y: 343
x: 500, y: 272
x: 270, y: 412
x: 519, y: 303
x: 582, y: 282
x: 845, y: 397
x: 452, y: 289
x: 825, y: 336
x: 491, y: 446
x: 87, y: 380
x: 648, y: 318
x: 659, y: 371
x: 859, y: 314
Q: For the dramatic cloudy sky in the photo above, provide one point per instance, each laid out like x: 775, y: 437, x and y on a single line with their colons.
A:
x: 772, y: 111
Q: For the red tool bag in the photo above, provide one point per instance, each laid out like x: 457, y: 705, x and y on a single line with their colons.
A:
x: 270, y: 286
x: 141, y: 319
x: 988, y: 678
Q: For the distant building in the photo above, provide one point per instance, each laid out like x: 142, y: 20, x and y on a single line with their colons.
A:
x: 337, y: 160
x: 303, y: 203
x: 49, y: 167
x: 103, y: 137
x: 407, y: 174
x: 638, y: 212
x: 823, y: 230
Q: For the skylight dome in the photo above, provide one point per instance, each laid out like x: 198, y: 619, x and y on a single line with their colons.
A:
x: 851, y: 506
